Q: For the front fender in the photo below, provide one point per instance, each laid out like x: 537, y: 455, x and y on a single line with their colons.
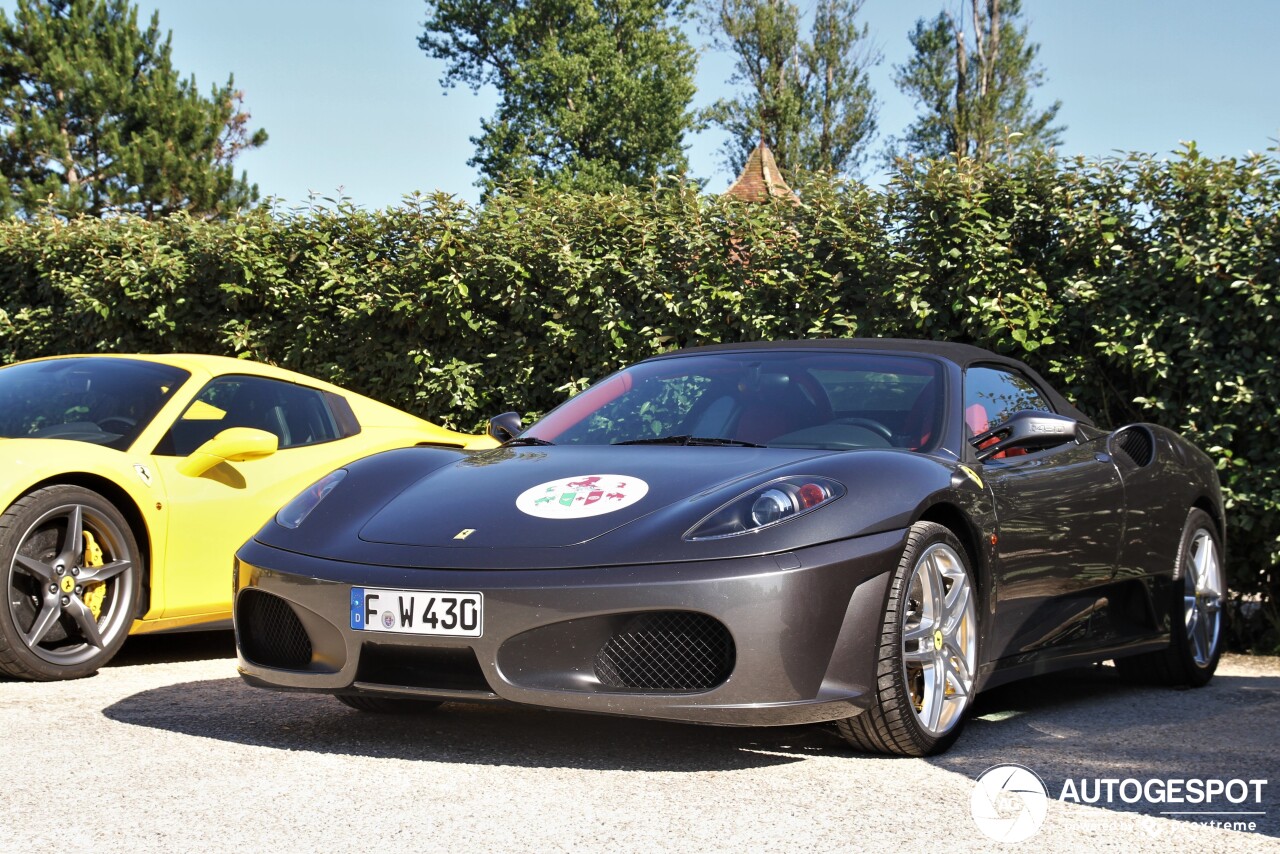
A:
x: 30, y: 464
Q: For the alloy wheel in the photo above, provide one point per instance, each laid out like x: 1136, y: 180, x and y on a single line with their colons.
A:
x: 939, y: 639
x: 70, y: 584
x: 1202, y: 596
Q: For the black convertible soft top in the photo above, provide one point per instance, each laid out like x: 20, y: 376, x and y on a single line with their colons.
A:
x: 963, y: 355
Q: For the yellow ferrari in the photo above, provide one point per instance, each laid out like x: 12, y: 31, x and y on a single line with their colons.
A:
x: 128, y: 482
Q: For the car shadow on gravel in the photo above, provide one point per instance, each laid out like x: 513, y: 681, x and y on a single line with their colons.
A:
x: 175, y: 646
x: 1091, y: 724
x: 480, y: 734
x: 169, y: 648
x: 1085, y: 723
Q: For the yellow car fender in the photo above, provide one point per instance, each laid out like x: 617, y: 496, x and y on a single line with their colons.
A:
x: 31, y: 464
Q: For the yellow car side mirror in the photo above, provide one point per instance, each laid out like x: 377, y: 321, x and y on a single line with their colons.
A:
x: 233, y: 445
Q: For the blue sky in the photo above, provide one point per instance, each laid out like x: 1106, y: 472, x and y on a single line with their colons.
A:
x: 351, y: 102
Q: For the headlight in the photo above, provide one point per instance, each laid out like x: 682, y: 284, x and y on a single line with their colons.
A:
x: 292, y: 514
x: 765, y: 506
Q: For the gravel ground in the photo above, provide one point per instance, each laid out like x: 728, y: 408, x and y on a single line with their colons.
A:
x: 167, y: 750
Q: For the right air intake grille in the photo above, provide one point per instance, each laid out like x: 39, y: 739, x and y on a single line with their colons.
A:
x: 270, y: 632
x: 667, y: 651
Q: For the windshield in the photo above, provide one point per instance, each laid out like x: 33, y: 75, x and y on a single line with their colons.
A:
x: 781, y: 399
x: 103, y: 401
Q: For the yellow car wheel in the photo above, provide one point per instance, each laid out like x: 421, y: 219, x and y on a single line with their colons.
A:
x: 72, y: 583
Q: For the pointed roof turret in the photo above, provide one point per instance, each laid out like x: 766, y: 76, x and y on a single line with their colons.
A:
x: 761, y: 179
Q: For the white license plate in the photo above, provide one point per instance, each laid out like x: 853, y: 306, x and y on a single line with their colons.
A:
x: 417, y: 612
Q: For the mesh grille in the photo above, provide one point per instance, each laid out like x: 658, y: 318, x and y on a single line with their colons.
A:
x: 270, y: 632
x: 670, y: 651
x: 1136, y: 444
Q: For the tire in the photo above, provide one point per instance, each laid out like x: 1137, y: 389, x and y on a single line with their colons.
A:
x: 1196, y: 615
x: 923, y: 688
x: 388, y: 705
x: 68, y: 608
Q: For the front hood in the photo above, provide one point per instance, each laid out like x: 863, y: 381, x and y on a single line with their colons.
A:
x: 557, y: 496
x: 434, y: 508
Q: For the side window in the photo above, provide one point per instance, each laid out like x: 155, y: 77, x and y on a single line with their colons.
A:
x: 296, y: 415
x: 991, y: 395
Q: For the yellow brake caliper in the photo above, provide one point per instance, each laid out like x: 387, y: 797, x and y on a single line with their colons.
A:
x: 94, y: 591
x: 938, y: 640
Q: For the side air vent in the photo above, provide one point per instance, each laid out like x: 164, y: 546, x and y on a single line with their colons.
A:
x: 1136, y: 444
x: 667, y: 651
x: 270, y: 632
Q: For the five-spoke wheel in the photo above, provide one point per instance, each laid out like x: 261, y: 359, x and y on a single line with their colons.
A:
x: 1203, y: 591
x: 928, y: 651
x: 71, y: 583
x: 1195, y: 612
x: 939, y: 644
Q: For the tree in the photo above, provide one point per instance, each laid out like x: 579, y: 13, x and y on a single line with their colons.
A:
x: 95, y: 119
x: 810, y: 101
x: 974, y: 89
x: 593, y: 94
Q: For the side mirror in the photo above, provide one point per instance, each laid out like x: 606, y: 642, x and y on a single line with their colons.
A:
x: 1027, y: 429
x: 233, y: 445
x: 505, y: 427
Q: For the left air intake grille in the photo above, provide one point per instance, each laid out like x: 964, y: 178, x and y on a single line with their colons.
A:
x: 270, y: 632
x: 1136, y: 443
x: 668, y: 651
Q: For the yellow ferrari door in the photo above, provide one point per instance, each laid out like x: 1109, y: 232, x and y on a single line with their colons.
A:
x: 225, y: 478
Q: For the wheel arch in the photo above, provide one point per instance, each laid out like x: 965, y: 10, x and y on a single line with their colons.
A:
x: 1218, y: 517
x: 954, y: 519
x: 128, y: 508
x: 1215, y: 513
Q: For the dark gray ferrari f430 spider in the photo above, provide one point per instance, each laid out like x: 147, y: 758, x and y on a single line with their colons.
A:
x: 868, y: 532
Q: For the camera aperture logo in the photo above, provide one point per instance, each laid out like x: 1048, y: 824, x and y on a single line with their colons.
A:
x: 1009, y: 803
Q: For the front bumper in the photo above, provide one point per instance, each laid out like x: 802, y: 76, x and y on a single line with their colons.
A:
x: 803, y: 632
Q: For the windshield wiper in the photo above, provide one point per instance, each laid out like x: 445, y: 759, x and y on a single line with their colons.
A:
x: 525, y: 440
x: 717, y: 441
x: 692, y: 440
x: 660, y: 440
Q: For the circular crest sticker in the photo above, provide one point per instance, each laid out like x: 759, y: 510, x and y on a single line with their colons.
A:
x: 581, y: 496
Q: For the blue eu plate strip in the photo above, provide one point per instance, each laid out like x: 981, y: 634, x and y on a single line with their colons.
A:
x: 357, y: 608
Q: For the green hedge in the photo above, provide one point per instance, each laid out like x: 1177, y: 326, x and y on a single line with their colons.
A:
x: 1145, y: 288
